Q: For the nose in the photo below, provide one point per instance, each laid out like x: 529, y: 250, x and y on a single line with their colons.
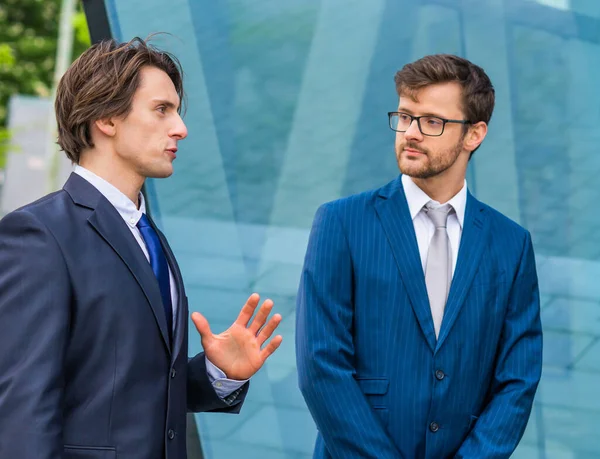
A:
x: 179, y: 130
x: 413, y: 132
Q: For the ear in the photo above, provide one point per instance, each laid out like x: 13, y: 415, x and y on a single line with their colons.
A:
x: 475, y: 136
x: 106, y: 126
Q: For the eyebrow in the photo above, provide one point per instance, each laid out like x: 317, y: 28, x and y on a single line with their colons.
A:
x: 410, y: 112
x: 167, y: 103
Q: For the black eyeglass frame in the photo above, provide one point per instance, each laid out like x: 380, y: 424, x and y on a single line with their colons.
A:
x: 418, y: 118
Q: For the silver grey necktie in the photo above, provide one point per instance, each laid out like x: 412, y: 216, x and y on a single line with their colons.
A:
x: 438, y: 268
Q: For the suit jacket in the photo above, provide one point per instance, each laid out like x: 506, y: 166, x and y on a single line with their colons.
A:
x: 377, y: 382
x: 87, y: 369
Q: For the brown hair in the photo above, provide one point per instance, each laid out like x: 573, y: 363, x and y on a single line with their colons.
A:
x: 478, y: 94
x: 101, y: 84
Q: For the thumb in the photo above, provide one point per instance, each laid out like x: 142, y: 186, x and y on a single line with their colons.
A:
x: 203, y: 328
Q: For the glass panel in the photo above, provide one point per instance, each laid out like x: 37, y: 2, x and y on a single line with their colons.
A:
x: 287, y: 108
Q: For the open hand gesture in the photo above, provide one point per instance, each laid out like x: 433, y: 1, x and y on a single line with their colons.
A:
x: 237, y: 351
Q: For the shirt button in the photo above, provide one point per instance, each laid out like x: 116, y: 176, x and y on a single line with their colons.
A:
x: 171, y: 434
x: 173, y: 373
x: 434, y: 427
x: 219, y: 384
x: 132, y: 221
x: 439, y: 375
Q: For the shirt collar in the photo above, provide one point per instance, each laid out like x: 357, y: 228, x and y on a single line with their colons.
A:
x: 119, y: 200
x: 417, y: 198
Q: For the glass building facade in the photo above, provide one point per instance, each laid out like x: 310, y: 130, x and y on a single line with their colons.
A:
x: 286, y: 109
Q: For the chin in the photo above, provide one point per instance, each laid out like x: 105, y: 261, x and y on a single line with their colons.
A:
x: 413, y: 169
x: 163, y: 172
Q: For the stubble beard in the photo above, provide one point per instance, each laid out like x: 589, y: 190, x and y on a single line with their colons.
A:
x: 433, y: 165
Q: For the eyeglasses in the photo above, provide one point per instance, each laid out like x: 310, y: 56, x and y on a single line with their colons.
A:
x: 428, y: 125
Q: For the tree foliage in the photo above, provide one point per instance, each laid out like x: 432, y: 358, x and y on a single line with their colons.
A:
x: 28, y: 42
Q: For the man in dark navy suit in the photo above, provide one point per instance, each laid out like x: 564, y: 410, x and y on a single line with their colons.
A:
x: 418, y: 328
x: 93, y: 311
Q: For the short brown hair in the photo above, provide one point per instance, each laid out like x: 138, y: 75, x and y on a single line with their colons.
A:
x: 478, y: 95
x: 101, y: 84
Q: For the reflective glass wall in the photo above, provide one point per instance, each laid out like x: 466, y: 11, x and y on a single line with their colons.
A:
x: 286, y: 109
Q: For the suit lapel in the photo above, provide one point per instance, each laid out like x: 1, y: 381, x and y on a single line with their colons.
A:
x: 110, y: 226
x: 394, y: 215
x: 472, y: 244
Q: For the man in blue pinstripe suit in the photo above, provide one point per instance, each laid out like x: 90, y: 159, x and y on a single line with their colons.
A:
x: 418, y: 322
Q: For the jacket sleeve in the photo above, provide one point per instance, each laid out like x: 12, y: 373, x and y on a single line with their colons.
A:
x: 325, y: 351
x: 201, y: 395
x: 35, y: 298
x: 500, y: 427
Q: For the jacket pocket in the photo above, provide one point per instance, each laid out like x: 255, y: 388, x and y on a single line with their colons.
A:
x: 89, y: 452
x: 374, y: 389
x: 373, y: 386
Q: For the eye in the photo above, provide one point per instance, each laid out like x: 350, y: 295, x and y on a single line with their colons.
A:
x: 434, y: 121
x: 162, y: 109
x: 403, y: 117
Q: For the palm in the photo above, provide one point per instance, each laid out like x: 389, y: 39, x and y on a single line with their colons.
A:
x: 238, y: 350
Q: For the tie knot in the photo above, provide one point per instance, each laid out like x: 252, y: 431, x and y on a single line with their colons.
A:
x: 438, y: 215
x: 143, y: 222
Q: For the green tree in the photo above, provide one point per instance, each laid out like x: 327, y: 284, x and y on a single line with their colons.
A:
x: 28, y: 41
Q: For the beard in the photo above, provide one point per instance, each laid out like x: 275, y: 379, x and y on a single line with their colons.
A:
x: 429, y: 165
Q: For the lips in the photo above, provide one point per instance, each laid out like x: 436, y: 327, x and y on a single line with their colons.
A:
x: 412, y: 151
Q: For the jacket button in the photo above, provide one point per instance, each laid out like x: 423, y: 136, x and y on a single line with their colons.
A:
x: 434, y: 427
x: 171, y: 434
x: 173, y: 373
x: 439, y: 375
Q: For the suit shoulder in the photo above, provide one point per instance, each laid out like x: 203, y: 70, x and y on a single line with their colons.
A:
x: 356, y: 201
x: 43, y: 203
x: 505, y: 225
x: 44, y: 209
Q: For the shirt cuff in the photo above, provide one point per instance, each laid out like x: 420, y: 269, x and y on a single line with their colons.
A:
x: 223, y: 386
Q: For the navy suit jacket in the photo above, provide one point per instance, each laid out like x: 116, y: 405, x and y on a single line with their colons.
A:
x: 87, y: 369
x: 377, y: 382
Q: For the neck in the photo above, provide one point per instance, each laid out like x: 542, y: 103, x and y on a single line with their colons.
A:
x: 439, y: 188
x: 126, y: 181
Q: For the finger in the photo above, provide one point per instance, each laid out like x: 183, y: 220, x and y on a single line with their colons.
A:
x: 270, y: 348
x: 268, y: 330
x: 203, y: 328
x: 248, y: 310
x: 261, y: 317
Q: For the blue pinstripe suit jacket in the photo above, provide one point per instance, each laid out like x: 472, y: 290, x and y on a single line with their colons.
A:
x: 377, y: 382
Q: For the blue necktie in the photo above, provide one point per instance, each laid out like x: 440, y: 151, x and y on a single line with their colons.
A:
x: 159, y: 264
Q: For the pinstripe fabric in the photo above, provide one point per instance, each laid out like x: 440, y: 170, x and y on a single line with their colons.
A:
x: 366, y: 349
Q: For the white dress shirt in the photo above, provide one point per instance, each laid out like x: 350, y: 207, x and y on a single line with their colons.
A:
x: 131, y: 214
x: 424, y: 227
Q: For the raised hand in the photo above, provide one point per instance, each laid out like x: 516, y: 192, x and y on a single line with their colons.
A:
x: 239, y: 351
